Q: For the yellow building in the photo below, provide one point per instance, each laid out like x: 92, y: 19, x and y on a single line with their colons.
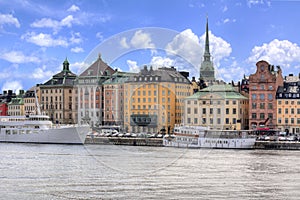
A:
x: 288, y: 105
x: 153, y: 100
x: 219, y: 107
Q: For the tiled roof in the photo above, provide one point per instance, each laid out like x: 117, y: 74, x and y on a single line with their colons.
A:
x: 98, y: 68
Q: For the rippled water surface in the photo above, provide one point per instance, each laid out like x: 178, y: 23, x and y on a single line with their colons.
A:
x: 32, y: 171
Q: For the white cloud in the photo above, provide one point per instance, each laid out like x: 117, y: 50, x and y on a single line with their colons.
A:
x: 18, y: 57
x: 251, y: 3
x: 76, y: 38
x: 8, y: 19
x: 123, y: 43
x: 77, y: 50
x: 219, y: 48
x: 99, y: 36
x: 190, y: 48
x: 12, y: 85
x: 140, y: 40
x: 54, y: 24
x: 186, y: 45
x: 73, y: 8
x: 44, y: 40
x: 278, y: 52
x: 225, y: 9
x: 158, y: 61
x: 133, y: 67
x: 42, y: 73
x: 79, y: 67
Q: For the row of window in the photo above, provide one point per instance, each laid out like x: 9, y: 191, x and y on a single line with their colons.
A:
x: 262, y: 105
x: 289, y: 121
x: 280, y: 102
x: 211, y: 121
x: 289, y: 111
x: 53, y: 90
x: 262, y: 96
x: 212, y: 110
x: 261, y: 116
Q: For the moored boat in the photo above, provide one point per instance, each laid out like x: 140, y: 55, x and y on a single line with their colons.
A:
x: 39, y: 129
x: 203, y: 137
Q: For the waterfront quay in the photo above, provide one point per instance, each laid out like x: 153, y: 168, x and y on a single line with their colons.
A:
x: 132, y: 141
x: 158, y: 142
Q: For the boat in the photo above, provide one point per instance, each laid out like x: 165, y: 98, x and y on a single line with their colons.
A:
x: 204, y: 137
x: 40, y: 129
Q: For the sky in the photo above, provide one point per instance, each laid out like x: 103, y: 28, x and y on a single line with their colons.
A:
x: 37, y: 36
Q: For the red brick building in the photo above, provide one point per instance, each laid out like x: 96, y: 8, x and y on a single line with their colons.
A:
x: 3, y: 109
x: 262, y: 95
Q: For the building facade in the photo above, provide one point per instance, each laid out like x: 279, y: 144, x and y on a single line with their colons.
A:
x: 57, y: 96
x: 91, y: 92
x: 262, y: 92
x: 114, y: 99
x: 288, y: 105
x: 218, y: 107
x: 30, y: 103
x: 154, y: 100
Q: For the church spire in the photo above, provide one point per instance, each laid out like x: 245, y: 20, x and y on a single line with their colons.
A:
x: 207, y: 71
x: 207, y: 53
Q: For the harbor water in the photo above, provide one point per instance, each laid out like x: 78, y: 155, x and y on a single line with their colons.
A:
x: 36, y: 171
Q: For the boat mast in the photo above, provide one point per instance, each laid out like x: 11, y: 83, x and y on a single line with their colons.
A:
x: 37, y: 103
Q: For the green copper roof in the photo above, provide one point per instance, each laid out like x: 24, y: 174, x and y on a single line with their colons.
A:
x: 224, y: 91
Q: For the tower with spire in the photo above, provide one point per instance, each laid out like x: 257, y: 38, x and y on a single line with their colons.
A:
x: 207, y: 71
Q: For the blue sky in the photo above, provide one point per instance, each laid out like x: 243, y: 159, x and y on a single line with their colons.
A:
x: 37, y: 36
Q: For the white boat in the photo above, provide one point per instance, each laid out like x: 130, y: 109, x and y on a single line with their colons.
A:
x: 202, y: 137
x: 39, y: 129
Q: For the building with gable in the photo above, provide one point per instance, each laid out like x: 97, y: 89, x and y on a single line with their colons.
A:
x: 263, y: 85
x: 91, y: 92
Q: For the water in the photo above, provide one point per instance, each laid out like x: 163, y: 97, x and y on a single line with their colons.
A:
x: 32, y: 171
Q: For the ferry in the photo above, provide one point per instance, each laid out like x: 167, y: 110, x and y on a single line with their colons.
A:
x: 203, y: 137
x: 40, y: 129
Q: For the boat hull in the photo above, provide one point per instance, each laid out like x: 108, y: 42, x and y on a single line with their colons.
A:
x: 60, y: 135
x: 215, y: 143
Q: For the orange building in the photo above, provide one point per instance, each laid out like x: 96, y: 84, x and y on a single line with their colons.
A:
x: 154, y: 100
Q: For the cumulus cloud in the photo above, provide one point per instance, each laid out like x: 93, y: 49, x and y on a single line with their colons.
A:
x: 158, y: 61
x: 190, y: 47
x: 18, y: 57
x: 12, y: 85
x: 281, y: 52
x: 44, y: 40
x: 77, y: 50
x: 54, y: 24
x: 42, y: 73
x: 73, y: 8
x: 140, y: 40
x: 186, y: 45
x: 79, y: 67
x: 9, y: 19
x: 133, y: 67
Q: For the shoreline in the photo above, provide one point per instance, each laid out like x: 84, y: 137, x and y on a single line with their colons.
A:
x: 158, y: 142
